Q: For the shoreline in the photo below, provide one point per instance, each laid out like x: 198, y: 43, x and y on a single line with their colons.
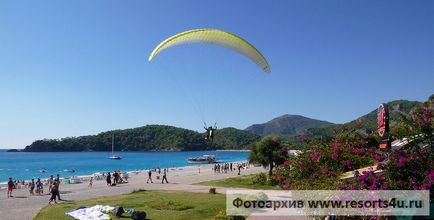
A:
x: 86, y: 177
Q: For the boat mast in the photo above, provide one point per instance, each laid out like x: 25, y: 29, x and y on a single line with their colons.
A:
x: 113, y: 143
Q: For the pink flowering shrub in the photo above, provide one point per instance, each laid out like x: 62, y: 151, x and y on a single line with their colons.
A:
x: 367, y: 180
x: 410, y: 169
x: 322, y: 163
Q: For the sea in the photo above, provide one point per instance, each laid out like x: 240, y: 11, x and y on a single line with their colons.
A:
x: 28, y: 165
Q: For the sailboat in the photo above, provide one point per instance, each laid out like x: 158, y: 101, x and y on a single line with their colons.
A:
x: 113, y: 156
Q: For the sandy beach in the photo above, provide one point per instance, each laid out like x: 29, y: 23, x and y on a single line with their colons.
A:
x: 23, y: 206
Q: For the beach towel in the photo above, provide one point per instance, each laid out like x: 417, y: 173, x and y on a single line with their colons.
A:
x: 91, y: 213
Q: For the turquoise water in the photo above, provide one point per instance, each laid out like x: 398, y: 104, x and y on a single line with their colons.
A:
x: 20, y: 165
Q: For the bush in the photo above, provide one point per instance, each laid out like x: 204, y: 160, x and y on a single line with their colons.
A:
x: 272, y: 181
x: 260, y: 179
x: 212, y: 190
x: 320, y: 166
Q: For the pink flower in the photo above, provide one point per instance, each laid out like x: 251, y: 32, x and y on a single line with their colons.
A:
x: 359, y: 150
x: 315, y: 156
x: 284, y: 149
x: 334, y: 155
x: 336, y: 147
x: 286, y: 186
x: 430, y: 175
x: 279, y: 178
x: 426, y: 186
x: 380, y: 166
x: 286, y: 163
x: 372, y: 187
x: 348, y: 164
x: 401, y: 161
x: 379, y: 157
x: 385, y: 186
x: 325, y: 170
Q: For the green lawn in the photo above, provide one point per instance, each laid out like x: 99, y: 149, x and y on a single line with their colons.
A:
x: 157, y: 205
x: 238, y: 182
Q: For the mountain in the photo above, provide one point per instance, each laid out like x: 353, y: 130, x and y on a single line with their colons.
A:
x: 287, y: 125
x: 368, y: 122
x: 148, y: 138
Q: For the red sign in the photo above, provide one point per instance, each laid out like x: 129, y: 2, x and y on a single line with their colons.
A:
x: 382, y: 119
x: 384, y: 145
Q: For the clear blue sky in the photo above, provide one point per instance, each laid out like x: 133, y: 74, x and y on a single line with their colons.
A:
x: 70, y: 68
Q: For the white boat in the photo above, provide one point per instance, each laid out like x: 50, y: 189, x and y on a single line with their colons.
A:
x: 113, y: 156
x: 69, y: 170
x: 202, y: 159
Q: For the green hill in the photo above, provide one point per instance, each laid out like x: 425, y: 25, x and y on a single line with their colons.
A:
x: 232, y: 138
x: 147, y: 138
x: 289, y: 125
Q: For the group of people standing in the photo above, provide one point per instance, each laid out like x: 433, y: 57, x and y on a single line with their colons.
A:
x: 225, y: 167
x: 159, y: 172
x: 117, y: 178
x: 39, y: 187
x: 53, y: 187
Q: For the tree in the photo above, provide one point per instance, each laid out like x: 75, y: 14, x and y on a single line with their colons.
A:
x: 268, y: 152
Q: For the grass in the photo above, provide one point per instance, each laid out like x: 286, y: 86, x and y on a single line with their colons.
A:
x: 156, y: 204
x: 238, y: 182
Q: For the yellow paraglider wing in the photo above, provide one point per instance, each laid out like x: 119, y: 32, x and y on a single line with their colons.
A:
x: 217, y: 37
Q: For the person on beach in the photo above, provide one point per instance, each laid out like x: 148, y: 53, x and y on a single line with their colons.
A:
x: 239, y: 169
x: 164, y: 176
x: 50, y: 183
x: 109, y: 179
x: 115, y: 178
x: 32, y: 187
x: 11, y: 186
x: 39, y: 187
x: 57, y: 185
x: 149, y: 176
x: 54, y: 191
x: 90, y: 182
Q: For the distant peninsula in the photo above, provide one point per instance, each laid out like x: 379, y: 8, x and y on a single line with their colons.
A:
x: 148, y: 138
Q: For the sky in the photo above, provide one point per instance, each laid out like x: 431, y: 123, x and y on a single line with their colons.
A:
x: 72, y: 68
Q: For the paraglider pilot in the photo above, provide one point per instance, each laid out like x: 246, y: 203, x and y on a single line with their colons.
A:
x: 210, y: 132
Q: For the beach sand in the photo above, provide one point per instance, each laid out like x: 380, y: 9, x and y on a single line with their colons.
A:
x: 23, y: 206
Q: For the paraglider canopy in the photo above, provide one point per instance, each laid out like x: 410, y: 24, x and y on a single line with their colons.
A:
x: 216, y: 37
